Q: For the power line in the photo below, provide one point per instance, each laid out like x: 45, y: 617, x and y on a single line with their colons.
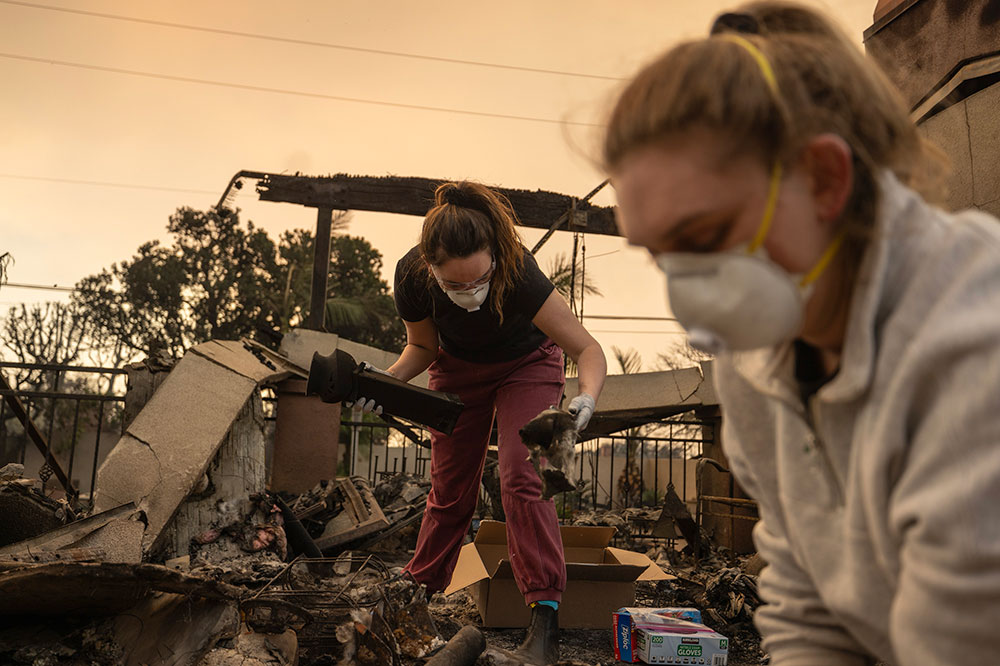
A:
x: 629, y: 318
x: 74, y: 181
x: 305, y: 42
x: 283, y: 91
x: 594, y: 330
x: 47, y: 287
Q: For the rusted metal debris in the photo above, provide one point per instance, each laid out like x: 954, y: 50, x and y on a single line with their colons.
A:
x: 349, y: 513
x: 24, y: 511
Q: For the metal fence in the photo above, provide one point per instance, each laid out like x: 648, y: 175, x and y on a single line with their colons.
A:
x: 79, y: 416
x: 73, y: 415
x: 628, y: 470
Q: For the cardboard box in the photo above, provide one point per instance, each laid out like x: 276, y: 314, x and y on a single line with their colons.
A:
x: 682, y: 642
x: 600, y: 579
x: 626, y: 621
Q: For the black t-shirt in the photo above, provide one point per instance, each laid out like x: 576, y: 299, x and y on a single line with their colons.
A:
x: 478, y: 336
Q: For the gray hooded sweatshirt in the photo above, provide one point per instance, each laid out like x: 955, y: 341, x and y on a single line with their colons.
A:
x: 880, y: 499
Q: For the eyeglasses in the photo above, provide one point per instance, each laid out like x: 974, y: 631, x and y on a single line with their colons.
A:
x: 448, y: 285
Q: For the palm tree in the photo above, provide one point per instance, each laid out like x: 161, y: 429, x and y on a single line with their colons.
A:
x: 630, y: 480
x: 561, y: 275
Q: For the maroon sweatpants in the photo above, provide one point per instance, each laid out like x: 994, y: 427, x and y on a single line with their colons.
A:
x: 516, y: 391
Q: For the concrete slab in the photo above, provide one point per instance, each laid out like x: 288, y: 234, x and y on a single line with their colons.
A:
x: 300, y: 344
x: 128, y: 474
x: 984, y: 132
x: 191, y: 412
x: 647, y: 390
x: 949, y: 130
x: 233, y: 355
x: 70, y: 536
x: 120, y: 540
x: 172, y: 441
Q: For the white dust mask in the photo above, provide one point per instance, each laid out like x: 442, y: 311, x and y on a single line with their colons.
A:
x: 740, y: 299
x: 470, y: 299
x: 469, y: 295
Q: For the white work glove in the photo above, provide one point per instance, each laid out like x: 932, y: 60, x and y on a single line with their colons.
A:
x: 365, y: 365
x: 366, y: 406
x: 369, y: 406
x: 582, y: 407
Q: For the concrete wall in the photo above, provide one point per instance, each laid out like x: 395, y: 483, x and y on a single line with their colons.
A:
x: 969, y: 133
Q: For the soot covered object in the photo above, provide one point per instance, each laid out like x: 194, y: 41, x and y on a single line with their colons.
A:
x: 551, y: 438
x: 338, y: 377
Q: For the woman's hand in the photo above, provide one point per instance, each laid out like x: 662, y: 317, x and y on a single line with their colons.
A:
x: 582, y: 407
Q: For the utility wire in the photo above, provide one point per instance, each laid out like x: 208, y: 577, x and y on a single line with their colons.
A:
x: 305, y: 42
x: 74, y: 181
x: 47, y: 287
x: 283, y: 91
x: 595, y: 330
x: 629, y: 318
x: 54, y: 287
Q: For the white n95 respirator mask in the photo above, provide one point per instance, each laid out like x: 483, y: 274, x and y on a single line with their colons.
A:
x: 470, y: 300
x: 740, y: 299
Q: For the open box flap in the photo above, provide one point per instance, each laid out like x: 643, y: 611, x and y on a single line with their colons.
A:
x: 468, y: 570
x: 581, y: 536
x: 603, y: 572
x: 491, y: 532
x: 652, y: 571
x: 580, y: 571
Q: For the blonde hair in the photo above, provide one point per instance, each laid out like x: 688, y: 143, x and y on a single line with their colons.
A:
x: 824, y: 85
x: 468, y: 217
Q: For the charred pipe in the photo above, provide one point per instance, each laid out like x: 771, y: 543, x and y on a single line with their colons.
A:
x: 463, y: 649
x: 338, y: 377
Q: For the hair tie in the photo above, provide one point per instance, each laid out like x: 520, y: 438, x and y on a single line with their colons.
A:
x: 735, y: 22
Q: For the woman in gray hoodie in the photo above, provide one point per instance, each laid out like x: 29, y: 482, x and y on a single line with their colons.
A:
x: 775, y: 177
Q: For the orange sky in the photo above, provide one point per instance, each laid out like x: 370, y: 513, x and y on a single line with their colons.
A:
x: 60, y: 121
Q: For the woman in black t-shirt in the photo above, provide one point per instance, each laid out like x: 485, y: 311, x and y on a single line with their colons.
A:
x: 488, y: 325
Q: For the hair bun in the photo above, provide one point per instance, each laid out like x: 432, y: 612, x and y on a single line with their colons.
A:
x: 735, y: 22
x: 456, y: 196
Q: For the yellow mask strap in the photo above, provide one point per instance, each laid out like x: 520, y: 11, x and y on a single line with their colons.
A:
x: 758, y: 55
x: 825, y: 260
x: 772, y: 204
x: 772, y: 194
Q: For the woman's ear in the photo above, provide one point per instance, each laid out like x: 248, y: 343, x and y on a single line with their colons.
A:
x: 828, y: 160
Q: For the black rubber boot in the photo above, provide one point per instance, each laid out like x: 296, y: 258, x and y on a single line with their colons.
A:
x: 541, y: 645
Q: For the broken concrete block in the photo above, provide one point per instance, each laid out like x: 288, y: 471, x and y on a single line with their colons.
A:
x: 11, y: 471
x: 235, y: 356
x: 119, y: 540
x: 171, y: 443
x: 130, y: 472
x: 255, y: 649
x: 114, y: 541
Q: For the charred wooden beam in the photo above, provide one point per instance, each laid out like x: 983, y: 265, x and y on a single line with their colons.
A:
x: 415, y: 196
